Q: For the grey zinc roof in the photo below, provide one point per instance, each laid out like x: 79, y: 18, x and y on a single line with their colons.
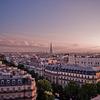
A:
x: 73, y: 67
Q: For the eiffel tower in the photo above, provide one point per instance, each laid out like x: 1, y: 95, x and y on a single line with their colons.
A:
x: 51, y: 49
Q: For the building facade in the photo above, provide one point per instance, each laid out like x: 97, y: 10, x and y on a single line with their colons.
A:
x: 84, y: 60
x: 16, y: 84
x: 62, y: 74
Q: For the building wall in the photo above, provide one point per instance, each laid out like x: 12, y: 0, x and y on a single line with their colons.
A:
x: 84, y: 61
x: 15, y: 92
x: 63, y: 78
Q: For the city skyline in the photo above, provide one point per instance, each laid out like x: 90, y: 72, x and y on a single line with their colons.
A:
x: 69, y: 25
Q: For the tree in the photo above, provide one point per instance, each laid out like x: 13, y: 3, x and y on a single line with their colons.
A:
x: 71, y: 91
x: 45, y: 85
x: 58, y: 89
x: 88, y: 91
x: 98, y: 87
x: 5, y: 62
x: 42, y: 86
x: 48, y: 95
x: 21, y: 66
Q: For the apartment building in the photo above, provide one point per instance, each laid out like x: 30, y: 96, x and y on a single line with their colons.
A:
x: 62, y: 74
x: 84, y: 60
x: 16, y: 84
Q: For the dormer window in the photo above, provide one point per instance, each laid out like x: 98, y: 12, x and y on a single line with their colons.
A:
x: 13, y: 82
x: 8, y: 81
x: 2, y: 82
x: 19, y: 81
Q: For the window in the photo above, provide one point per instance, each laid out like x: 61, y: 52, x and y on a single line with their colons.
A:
x: 29, y: 88
x: 13, y: 82
x: 2, y: 96
x: 20, y: 81
x: 13, y: 88
x: 19, y: 95
x: 2, y: 82
x: 82, y: 62
x: 7, y: 89
x: 95, y: 62
x: 19, y: 88
x: 8, y: 81
x: 1, y: 89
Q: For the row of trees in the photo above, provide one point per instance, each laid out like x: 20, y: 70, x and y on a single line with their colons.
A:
x: 72, y: 91
x: 75, y: 92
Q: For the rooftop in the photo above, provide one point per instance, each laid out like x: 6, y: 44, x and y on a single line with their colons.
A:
x: 12, y: 72
x: 62, y: 67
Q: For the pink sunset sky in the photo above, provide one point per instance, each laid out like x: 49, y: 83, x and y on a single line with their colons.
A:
x: 71, y: 25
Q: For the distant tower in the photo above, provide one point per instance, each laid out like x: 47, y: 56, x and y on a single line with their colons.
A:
x: 51, y: 50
